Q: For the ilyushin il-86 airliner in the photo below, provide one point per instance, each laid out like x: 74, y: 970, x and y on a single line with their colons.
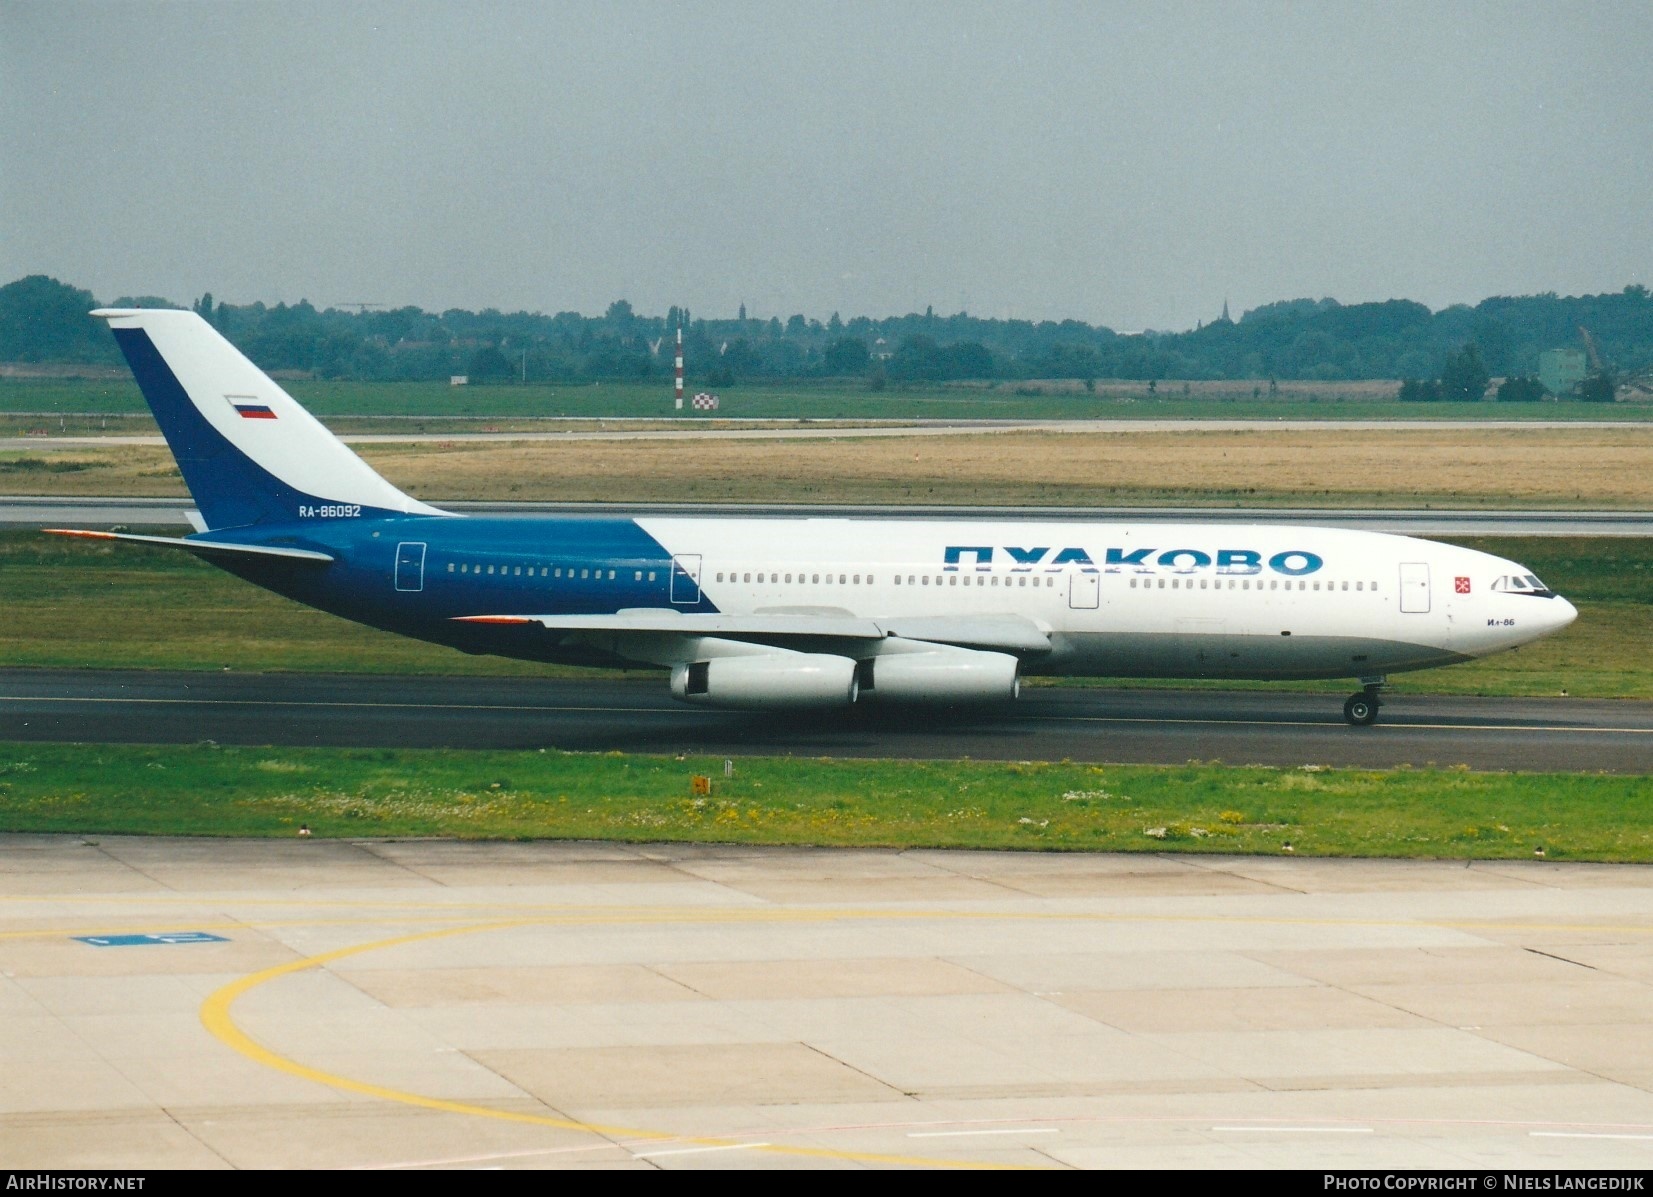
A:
x: 790, y: 613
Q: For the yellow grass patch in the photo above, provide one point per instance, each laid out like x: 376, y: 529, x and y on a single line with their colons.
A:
x: 1454, y: 464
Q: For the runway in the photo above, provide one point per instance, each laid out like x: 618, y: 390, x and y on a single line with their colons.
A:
x: 311, y: 1004
x: 1122, y: 726
x: 29, y: 511
x: 765, y: 428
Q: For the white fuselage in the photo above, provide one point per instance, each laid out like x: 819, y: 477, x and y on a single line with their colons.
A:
x: 1141, y: 599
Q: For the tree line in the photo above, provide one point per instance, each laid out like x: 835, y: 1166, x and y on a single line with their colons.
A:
x: 42, y: 319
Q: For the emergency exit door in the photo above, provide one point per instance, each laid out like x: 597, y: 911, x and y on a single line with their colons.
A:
x: 410, y: 565
x: 686, y: 578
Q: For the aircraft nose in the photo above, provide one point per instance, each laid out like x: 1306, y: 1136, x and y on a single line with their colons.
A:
x: 1563, y: 614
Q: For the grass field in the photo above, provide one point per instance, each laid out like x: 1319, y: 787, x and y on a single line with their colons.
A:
x: 77, y: 604
x: 1457, y: 465
x: 209, y: 790
x: 839, y: 399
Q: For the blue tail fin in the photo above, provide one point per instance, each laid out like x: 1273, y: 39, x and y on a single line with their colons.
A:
x: 249, y: 453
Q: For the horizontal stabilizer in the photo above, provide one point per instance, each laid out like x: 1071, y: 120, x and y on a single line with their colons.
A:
x: 1006, y: 633
x: 204, y: 548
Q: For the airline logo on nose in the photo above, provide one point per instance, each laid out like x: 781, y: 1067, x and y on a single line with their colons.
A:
x: 1461, y: 585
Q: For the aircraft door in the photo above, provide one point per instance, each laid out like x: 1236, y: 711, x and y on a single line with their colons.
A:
x: 686, y: 578
x: 410, y: 565
x: 1085, y: 590
x: 1414, y: 587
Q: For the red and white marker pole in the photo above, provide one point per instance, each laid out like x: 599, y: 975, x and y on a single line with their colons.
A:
x: 679, y: 369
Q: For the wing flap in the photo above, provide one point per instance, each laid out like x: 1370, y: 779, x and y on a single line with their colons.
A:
x: 697, y: 624
x: 1006, y: 633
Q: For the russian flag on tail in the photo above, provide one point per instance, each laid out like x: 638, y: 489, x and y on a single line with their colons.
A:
x: 255, y: 411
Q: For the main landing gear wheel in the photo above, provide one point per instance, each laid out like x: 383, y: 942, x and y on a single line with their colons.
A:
x: 1361, y: 710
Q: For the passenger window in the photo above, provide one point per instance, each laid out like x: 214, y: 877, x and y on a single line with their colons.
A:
x: 611, y: 575
x: 490, y: 569
x: 637, y: 576
x: 651, y: 575
x: 814, y: 577
x: 1360, y: 586
x: 1345, y: 586
x: 585, y: 573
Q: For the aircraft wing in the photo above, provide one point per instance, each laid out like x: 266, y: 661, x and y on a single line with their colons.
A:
x: 1002, y: 633
x: 203, y: 548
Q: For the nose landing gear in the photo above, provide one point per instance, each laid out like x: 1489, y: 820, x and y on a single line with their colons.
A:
x: 1361, y: 710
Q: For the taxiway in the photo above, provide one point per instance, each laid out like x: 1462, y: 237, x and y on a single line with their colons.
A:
x: 1126, y: 726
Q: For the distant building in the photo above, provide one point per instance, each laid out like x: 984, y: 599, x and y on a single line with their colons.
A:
x: 1560, y: 370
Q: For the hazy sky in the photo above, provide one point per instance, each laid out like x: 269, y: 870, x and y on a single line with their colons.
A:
x: 1129, y: 164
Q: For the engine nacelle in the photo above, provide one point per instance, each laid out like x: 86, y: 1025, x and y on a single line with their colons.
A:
x: 941, y: 674
x: 771, y: 681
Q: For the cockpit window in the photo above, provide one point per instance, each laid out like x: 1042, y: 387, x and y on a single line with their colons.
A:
x: 1523, y: 584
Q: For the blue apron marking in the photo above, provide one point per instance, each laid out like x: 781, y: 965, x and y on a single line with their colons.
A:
x: 167, y: 937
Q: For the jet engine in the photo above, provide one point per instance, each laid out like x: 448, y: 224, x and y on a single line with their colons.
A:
x: 770, y: 681
x: 939, y: 673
